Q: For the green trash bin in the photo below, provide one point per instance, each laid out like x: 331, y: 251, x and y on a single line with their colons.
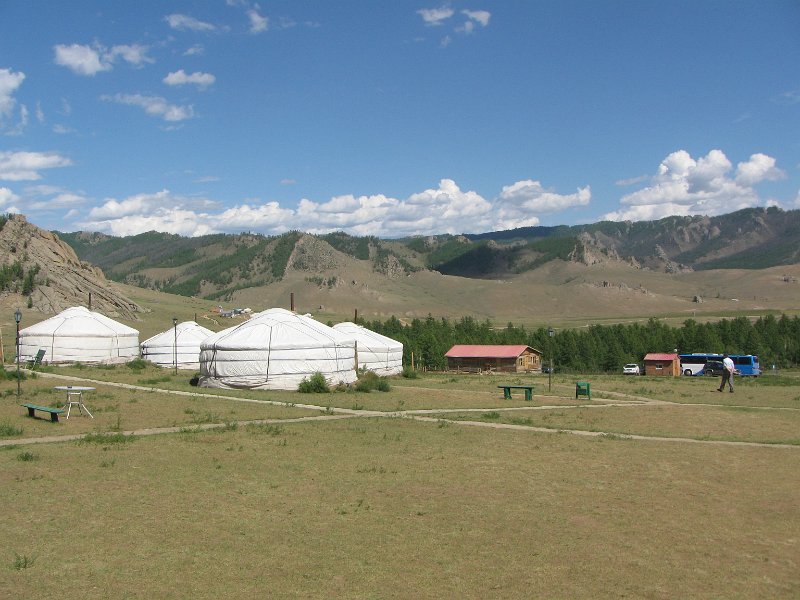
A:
x: 582, y: 388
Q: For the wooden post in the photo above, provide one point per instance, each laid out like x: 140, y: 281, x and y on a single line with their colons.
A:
x: 355, y: 316
x: 291, y: 301
x: 2, y: 352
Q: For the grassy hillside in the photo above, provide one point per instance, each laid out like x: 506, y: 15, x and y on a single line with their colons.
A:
x: 227, y: 267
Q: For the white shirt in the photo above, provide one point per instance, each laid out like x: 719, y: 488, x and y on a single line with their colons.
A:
x: 728, y: 362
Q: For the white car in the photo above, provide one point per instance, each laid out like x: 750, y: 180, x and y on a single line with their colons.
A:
x: 631, y: 369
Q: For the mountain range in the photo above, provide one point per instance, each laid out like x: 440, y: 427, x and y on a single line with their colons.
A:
x: 215, y: 266
x: 674, y: 265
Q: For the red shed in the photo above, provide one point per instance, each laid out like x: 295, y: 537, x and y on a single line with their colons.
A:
x: 662, y: 364
x: 476, y: 359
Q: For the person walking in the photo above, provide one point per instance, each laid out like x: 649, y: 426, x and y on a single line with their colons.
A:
x: 727, y: 373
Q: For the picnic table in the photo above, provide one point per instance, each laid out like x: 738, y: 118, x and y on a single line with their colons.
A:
x: 75, y: 397
x: 507, y: 390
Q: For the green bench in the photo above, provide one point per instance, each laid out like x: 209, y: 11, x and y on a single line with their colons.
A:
x: 507, y: 391
x: 583, y: 388
x: 54, y: 412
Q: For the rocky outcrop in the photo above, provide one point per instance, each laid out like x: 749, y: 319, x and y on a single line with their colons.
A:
x: 312, y: 254
x: 62, y: 280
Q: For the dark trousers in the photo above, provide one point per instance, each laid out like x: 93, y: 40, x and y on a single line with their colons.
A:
x: 727, y: 377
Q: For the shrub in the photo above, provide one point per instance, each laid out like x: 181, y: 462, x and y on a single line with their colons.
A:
x: 315, y: 384
x: 12, y: 375
x: 22, y: 561
x: 137, y: 364
x: 368, y: 381
x: 409, y: 373
x: 7, y: 429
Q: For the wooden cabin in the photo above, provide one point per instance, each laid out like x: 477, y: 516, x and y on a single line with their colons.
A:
x: 661, y: 364
x: 505, y: 359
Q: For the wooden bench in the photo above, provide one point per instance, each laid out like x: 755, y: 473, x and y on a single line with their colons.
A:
x: 507, y: 391
x: 583, y: 388
x: 54, y: 412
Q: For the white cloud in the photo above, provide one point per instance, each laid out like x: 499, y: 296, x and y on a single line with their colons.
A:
x: 757, y: 169
x: 134, y: 54
x: 90, y: 60
x: 797, y: 200
x: 520, y: 204
x: 7, y: 196
x: 268, y: 218
x: 435, y: 16
x: 155, y: 106
x: 180, y: 222
x: 201, y: 80
x: 81, y: 59
x: 478, y: 16
x: 468, y: 27
x: 187, y: 23
x: 474, y: 17
x: 195, y: 50
x: 685, y: 186
x: 288, y: 23
x: 9, y: 84
x: 21, y: 124
x: 443, y: 209
x: 63, y: 200
x: 161, y: 211
x: 632, y: 180
x: 130, y: 206
x: 258, y: 23
x: 25, y: 166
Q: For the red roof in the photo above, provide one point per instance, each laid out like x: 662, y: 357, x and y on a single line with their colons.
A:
x: 467, y: 351
x: 660, y: 356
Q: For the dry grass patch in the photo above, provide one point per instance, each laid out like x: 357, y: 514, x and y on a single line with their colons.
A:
x: 696, y: 422
x: 392, y: 507
x: 120, y: 409
x: 768, y: 390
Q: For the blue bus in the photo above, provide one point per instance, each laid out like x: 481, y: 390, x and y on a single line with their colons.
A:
x: 747, y: 364
x: 695, y: 363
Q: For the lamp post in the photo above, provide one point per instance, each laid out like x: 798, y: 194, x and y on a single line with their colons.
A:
x: 18, y: 318
x: 550, y: 333
x: 175, y: 345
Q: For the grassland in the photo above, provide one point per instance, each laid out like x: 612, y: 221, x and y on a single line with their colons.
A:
x: 371, y: 506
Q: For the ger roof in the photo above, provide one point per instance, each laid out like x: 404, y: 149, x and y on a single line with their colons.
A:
x: 366, y: 336
x: 79, y: 321
x: 660, y: 356
x: 485, y: 351
x: 187, y: 333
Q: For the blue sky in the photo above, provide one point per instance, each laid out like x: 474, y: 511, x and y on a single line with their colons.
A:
x: 394, y: 118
